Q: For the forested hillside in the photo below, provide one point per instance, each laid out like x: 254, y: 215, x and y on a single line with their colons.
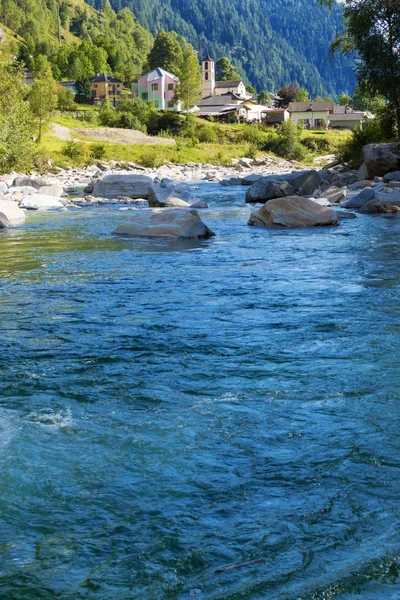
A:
x: 78, y: 40
x: 273, y: 42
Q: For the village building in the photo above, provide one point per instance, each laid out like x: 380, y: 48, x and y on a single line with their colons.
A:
x: 275, y: 116
x: 158, y: 86
x: 69, y: 85
x: 104, y: 86
x: 325, y: 114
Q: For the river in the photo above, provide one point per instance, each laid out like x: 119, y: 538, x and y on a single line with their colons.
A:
x: 169, y: 409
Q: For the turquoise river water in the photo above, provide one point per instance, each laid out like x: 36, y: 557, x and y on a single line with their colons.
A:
x: 169, y: 409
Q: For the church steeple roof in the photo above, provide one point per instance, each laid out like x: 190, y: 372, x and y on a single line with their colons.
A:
x: 208, y: 57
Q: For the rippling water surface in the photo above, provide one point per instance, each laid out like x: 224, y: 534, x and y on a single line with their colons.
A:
x: 168, y: 409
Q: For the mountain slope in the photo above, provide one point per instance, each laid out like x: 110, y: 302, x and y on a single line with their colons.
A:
x: 271, y: 41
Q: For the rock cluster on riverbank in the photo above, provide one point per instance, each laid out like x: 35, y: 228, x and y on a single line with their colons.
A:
x: 155, y: 188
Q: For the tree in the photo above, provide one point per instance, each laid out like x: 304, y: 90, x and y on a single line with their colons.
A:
x: 372, y: 28
x: 65, y: 99
x: 190, y: 83
x: 302, y: 96
x: 287, y: 94
x: 16, y: 126
x: 366, y: 102
x: 251, y: 90
x: 43, y: 94
x: 83, y: 91
x: 166, y: 53
x: 344, y: 100
x: 264, y: 98
x: 225, y: 70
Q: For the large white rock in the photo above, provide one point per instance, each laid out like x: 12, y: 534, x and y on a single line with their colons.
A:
x: 128, y: 185
x: 166, y: 223
x: 10, y: 213
x: 41, y: 202
x: 293, y: 211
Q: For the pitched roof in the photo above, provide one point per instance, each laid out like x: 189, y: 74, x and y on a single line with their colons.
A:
x: 222, y: 100
x: 104, y: 78
x: 354, y: 116
x: 310, y: 106
x: 159, y: 73
x: 208, y: 57
x: 228, y: 84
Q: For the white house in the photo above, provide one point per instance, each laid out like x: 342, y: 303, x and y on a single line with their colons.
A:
x: 315, y: 115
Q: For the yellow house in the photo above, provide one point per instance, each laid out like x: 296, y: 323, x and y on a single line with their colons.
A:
x: 104, y: 86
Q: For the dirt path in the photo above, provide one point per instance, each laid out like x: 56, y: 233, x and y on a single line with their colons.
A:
x: 63, y: 133
x: 108, y: 134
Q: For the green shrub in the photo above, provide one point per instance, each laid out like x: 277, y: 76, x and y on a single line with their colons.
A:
x: 170, y: 122
x: 318, y: 144
x: 350, y: 151
x: 76, y: 151
x: 253, y: 135
x: 98, y: 151
x: 286, y: 142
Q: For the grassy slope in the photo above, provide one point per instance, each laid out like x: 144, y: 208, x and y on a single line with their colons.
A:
x: 183, y: 152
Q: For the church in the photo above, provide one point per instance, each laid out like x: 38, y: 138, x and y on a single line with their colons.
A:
x: 217, y: 88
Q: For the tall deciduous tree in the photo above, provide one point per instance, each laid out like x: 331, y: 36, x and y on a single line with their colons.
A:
x: 16, y: 127
x: 43, y: 94
x: 166, y: 53
x: 190, y: 81
x: 372, y: 28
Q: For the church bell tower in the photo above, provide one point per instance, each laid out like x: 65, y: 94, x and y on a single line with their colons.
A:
x: 208, y: 74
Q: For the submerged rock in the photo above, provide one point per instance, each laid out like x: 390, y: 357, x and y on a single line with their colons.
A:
x: 168, y: 223
x: 293, y: 212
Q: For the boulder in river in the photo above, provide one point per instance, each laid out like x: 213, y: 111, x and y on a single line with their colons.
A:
x: 123, y: 184
x: 169, y: 223
x: 381, y: 158
x: 11, y: 214
x: 360, y: 199
x: 302, y: 183
x: 294, y: 211
x: 41, y: 202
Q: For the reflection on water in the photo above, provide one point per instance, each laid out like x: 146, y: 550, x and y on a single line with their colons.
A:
x: 168, y: 409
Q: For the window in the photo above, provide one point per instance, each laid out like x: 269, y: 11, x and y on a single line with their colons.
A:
x: 170, y: 87
x: 206, y: 66
x: 95, y: 85
x: 118, y: 93
x: 154, y: 87
x: 145, y: 96
x: 110, y: 92
x: 206, y: 77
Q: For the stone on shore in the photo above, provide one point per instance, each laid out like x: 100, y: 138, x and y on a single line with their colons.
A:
x: 42, y: 186
x: 294, y: 211
x: 301, y: 183
x: 381, y: 159
x: 41, y: 202
x: 11, y: 214
x: 123, y: 184
x: 168, y: 223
